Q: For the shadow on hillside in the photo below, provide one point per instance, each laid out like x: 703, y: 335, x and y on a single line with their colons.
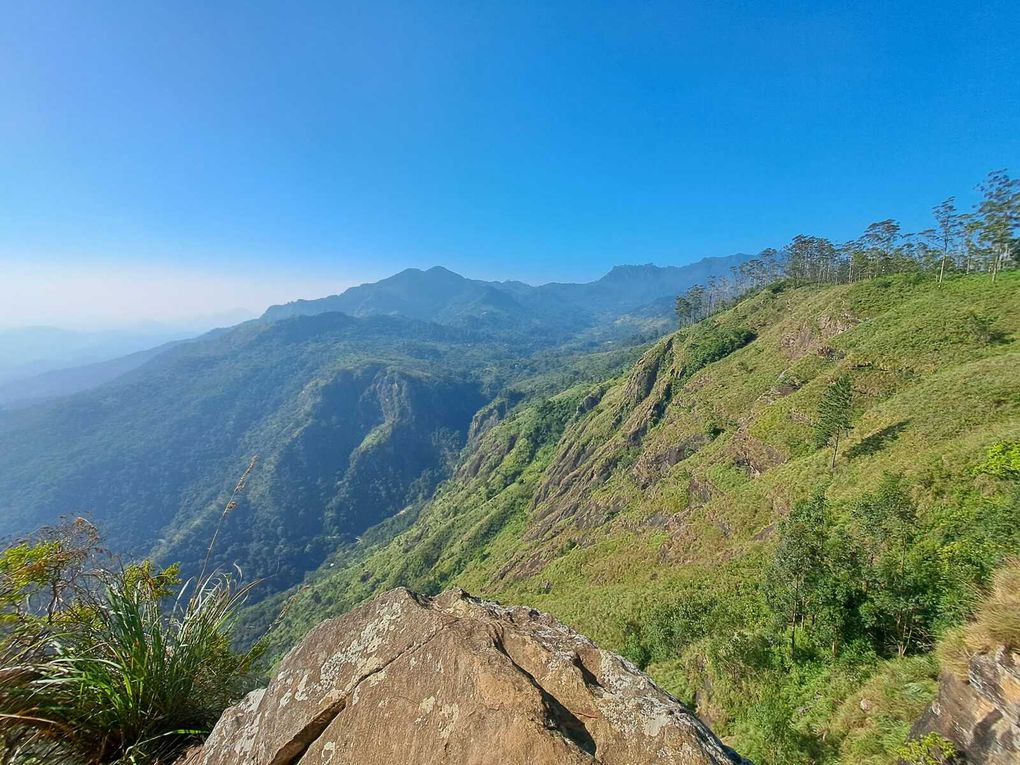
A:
x: 877, y: 440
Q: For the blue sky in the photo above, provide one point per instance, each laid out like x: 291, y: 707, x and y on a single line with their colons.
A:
x: 163, y: 159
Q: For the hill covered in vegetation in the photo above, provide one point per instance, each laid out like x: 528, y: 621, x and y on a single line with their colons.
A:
x: 689, y: 512
x: 786, y: 511
x: 354, y: 417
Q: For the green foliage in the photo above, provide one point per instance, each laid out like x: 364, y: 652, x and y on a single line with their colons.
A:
x: 882, y: 571
x: 685, y: 309
x: 930, y: 749
x: 870, y: 724
x: 113, y: 665
x: 803, y: 578
x: 37, y: 574
x: 713, y: 343
x: 834, y: 414
x: 1002, y: 461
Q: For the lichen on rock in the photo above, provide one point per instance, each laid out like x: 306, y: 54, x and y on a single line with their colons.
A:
x: 408, y: 680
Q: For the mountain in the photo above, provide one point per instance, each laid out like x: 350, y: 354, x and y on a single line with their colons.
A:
x: 675, y: 500
x: 27, y: 352
x: 354, y: 420
x: 351, y: 418
x: 555, y: 310
x: 436, y: 294
x: 355, y: 414
x: 646, y: 508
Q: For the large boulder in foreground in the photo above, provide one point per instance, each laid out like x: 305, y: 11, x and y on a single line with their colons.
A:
x: 410, y: 680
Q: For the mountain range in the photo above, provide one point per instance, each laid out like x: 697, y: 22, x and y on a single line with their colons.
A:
x: 555, y: 310
x: 357, y: 406
x: 567, y: 447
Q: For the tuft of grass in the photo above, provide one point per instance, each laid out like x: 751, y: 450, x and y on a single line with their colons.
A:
x: 114, y: 665
x: 872, y: 724
x: 131, y: 682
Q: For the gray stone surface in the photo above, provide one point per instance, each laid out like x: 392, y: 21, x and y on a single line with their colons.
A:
x: 412, y: 680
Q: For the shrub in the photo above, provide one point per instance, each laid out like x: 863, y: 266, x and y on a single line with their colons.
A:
x: 127, y: 681
x: 713, y: 344
x: 932, y: 749
x: 105, y: 664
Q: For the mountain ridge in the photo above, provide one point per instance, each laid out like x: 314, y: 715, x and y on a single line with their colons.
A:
x: 441, y: 295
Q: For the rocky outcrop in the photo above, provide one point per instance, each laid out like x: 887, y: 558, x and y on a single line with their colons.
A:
x: 408, y: 679
x: 981, y: 713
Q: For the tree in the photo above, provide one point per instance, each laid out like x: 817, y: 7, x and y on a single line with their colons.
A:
x: 904, y: 582
x: 696, y: 295
x: 880, y: 245
x: 999, y: 217
x: 949, y: 227
x: 771, y: 266
x: 834, y: 414
x: 685, y: 309
x: 798, y: 565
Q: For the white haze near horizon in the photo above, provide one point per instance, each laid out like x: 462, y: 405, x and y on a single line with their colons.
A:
x: 114, y: 297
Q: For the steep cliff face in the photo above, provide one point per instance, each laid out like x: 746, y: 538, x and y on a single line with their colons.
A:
x: 979, y: 713
x: 352, y: 421
x: 408, y: 679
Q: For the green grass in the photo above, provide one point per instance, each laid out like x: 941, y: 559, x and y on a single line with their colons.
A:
x: 672, y: 477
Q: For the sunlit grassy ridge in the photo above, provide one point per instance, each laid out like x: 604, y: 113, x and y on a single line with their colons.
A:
x: 610, y: 504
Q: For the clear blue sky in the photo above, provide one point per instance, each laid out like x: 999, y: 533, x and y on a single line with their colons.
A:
x: 298, y: 147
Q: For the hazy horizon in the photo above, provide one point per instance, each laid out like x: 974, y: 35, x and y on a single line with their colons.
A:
x: 108, y: 298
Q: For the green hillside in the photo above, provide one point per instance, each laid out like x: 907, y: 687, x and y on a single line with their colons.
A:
x: 651, y: 510
x: 323, y: 401
x: 353, y: 421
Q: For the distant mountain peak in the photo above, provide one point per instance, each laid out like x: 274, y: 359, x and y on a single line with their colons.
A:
x: 440, y: 295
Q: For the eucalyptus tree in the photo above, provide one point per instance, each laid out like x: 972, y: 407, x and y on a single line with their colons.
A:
x: 999, y: 212
x: 834, y: 413
x: 948, y: 231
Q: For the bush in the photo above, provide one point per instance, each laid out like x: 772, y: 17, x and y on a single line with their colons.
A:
x: 715, y: 343
x: 930, y: 750
x: 113, y: 670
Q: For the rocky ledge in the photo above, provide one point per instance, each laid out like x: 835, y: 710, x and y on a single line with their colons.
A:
x: 979, y: 714
x: 412, y: 680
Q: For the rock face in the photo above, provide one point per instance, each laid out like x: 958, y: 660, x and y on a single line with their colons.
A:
x: 980, y: 714
x: 412, y: 680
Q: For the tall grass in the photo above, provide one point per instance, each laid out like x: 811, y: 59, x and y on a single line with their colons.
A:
x: 131, y: 682
x: 996, y: 622
x: 125, y: 666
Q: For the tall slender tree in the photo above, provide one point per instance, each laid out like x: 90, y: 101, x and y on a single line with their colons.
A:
x: 947, y: 232
x: 834, y: 413
x: 999, y: 212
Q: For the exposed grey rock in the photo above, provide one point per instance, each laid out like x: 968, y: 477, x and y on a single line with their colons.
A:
x: 410, y: 680
x: 980, y: 714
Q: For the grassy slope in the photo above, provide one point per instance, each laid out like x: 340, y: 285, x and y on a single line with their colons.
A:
x: 602, y: 503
